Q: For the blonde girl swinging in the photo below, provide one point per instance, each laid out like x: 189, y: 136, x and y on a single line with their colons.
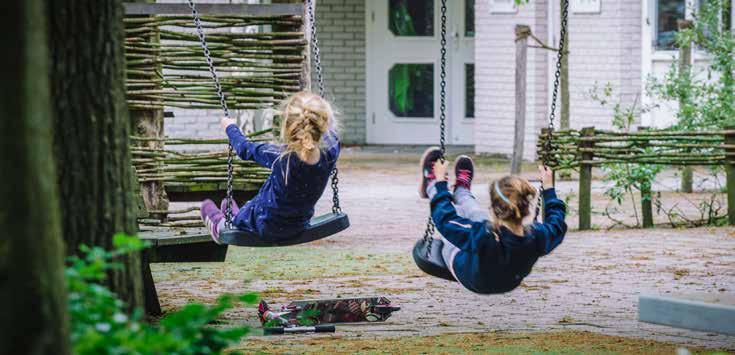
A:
x: 300, y: 166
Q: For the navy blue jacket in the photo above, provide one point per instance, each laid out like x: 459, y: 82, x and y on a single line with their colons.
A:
x: 485, y: 265
x: 285, y: 203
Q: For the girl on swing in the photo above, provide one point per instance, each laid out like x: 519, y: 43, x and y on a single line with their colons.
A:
x: 490, y: 255
x: 300, y: 170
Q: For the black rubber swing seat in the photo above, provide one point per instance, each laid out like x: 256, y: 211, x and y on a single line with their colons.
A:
x: 431, y: 262
x: 319, y: 227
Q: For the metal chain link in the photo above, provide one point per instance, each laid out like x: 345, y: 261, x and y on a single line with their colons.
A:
x: 548, y: 145
x: 545, y: 158
x: 443, y: 82
x: 223, y: 103
x: 430, y: 227
x: 320, y: 83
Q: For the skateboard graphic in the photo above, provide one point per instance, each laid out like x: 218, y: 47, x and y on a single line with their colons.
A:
x: 340, y: 310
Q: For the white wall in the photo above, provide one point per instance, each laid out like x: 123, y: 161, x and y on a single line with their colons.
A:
x: 495, y: 77
x: 605, y: 47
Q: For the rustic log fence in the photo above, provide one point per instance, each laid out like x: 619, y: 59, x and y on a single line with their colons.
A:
x: 589, y: 147
x: 260, y: 52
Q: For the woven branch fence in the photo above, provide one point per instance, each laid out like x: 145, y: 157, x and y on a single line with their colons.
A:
x: 261, y: 60
x: 257, y: 69
x: 589, y: 147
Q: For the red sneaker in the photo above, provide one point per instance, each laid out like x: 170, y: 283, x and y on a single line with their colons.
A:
x: 431, y: 156
x: 464, y: 172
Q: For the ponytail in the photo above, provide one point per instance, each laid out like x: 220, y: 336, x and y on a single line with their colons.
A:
x: 306, y: 117
x: 511, y: 199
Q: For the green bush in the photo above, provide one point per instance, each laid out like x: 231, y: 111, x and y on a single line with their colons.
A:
x: 101, y: 325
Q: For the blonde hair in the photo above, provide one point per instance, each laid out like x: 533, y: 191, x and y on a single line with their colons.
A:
x: 511, y: 199
x: 305, y: 117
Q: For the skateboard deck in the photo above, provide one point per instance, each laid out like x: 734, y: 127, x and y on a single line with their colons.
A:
x: 340, y: 310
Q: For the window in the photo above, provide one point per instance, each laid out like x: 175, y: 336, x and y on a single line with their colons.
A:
x: 586, y: 6
x: 411, y: 18
x: 469, y: 90
x: 411, y: 90
x: 668, y: 12
x: 503, y: 7
x: 469, y: 18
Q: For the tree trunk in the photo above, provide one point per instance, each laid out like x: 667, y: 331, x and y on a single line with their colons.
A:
x: 33, y: 315
x: 149, y: 123
x: 91, y: 127
x: 564, y: 81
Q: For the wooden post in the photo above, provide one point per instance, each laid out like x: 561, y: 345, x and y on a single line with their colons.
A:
x: 522, y: 33
x: 730, y: 170
x: 149, y: 124
x: 585, y: 181
x: 564, y: 80
x: 685, y: 65
x: 646, y: 199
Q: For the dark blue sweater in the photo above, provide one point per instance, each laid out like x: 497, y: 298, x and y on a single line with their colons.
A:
x: 485, y: 265
x: 285, y: 203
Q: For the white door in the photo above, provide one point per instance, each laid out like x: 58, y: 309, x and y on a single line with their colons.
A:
x: 403, y: 72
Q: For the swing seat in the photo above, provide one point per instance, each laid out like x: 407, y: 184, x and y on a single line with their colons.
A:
x: 432, y: 262
x: 319, y: 227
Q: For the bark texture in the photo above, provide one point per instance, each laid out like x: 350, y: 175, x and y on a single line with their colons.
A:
x: 33, y: 313
x: 149, y: 123
x: 91, y: 129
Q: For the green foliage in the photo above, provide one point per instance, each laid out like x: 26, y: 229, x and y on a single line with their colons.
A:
x: 100, y: 324
x: 706, y: 99
x: 625, y: 178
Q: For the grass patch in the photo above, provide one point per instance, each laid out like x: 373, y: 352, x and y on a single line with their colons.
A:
x: 293, y: 263
x: 572, y: 342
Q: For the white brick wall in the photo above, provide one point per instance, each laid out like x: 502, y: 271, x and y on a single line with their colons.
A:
x: 200, y: 123
x: 605, y: 47
x: 495, y: 77
x: 341, y: 29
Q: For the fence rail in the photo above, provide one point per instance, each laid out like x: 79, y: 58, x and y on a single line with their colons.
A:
x: 166, y: 67
x: 589, y: 147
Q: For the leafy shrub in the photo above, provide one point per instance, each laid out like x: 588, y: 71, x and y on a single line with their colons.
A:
x: 101, y: 325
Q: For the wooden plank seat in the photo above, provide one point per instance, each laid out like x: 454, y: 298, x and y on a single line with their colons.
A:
x: 216, y: 191
x: 172, y: 245
x: 707, y: 312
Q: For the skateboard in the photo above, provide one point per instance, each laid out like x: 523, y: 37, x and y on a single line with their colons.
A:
x: 339, y: 310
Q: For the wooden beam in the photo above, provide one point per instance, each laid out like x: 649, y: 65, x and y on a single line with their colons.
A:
x: 216, y: 9
x: 704, y: 312
x: 730, y: 171
x: 585, y: 182
x: 522, y: 32
x: 685, y: 65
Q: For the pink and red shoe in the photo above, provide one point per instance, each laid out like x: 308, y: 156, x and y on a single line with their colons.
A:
x: 430, y: 157
x: 212, y: 218
x: 464, y: 172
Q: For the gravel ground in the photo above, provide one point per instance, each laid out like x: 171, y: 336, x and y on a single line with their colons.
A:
x: 590, y: 283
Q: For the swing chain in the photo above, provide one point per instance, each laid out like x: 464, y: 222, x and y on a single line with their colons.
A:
x: 315, y: 49
x: 320, y: 83
x: 443, y: 82
x: 223, y: 103
x: 548, y: 146
x: 430, y: 227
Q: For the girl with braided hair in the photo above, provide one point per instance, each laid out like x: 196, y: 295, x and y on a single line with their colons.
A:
x: 300, y: 170
x: 490, y: 252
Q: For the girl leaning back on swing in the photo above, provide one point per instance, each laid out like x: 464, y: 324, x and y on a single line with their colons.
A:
x: 490, y: 255
x: 300, y: 170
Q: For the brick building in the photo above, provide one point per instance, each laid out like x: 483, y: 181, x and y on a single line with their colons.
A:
x: 381, y: 65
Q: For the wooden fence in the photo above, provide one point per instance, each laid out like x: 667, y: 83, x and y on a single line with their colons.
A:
x: 260, y: 53
x: 589, y: 147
